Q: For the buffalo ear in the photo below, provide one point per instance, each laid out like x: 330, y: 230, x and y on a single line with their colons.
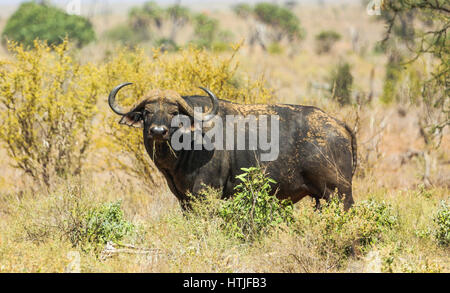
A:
x: 133, y: 119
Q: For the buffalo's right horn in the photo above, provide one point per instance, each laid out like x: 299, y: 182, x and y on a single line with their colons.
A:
x: 203, y: 116
x: 112, y: 99
x: 215, y: 109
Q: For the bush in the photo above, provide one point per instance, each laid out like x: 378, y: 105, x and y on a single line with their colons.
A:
x: 339, y: 234
x: 325, y: 41
x: 39, y: 21
x: 282, y: 20
x: 253, y: 211
x: 49, y: 101
x: 72, y: 214
x: 342, y: 82
x: 103, y: 224
x: 380, y: 213
x: 442, y: 220
x: 183, y: 72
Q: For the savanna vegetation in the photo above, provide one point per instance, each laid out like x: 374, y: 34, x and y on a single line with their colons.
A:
x: 79, y: 192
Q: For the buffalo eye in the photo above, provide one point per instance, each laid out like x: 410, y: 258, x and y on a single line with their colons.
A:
x: 137, y: 117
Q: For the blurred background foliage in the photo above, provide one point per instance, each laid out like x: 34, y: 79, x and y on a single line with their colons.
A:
x: 161, y: 26
x: 44, y: 22
x: 325, y: 41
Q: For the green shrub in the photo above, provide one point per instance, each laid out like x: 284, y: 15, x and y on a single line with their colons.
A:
x: 253, y: 211
x: 71, y: 213
x: 39, y: 21
x: 103, y: 224
x: 325, y: 41
x: 380, y: 213
x: 340, y: 234
x: 442, y: 220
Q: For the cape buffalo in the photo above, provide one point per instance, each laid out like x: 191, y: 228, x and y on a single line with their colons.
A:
x: 316, y: 153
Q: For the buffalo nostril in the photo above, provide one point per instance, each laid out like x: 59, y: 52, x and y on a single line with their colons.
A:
x: 158, y: 130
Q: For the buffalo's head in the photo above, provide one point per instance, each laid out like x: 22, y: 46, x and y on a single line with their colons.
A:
x: 156, y: 111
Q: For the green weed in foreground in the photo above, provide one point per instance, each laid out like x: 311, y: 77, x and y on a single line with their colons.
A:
x: 103, y: 224
x: 72, y: 215
x: 253, y: 211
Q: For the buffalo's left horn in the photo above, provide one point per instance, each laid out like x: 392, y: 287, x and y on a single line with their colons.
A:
x: 112, y: 99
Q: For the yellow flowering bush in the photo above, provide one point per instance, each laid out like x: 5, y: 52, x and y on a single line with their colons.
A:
x: 47, y: 102
x: 183, y: 72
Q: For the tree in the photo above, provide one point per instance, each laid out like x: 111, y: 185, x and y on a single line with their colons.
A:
x: 325, y: 41
x: 147, y: 22
x: 142, y: 18
x: 207, y: 33
x: 179, y: 16
x: 42, y: 21
x: 283, y: 21
x: 242, y: 10
x: 417, y: 29
x: 274, y: 23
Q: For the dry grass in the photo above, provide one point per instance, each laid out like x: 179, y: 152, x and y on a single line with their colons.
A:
x: 197, y: 244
